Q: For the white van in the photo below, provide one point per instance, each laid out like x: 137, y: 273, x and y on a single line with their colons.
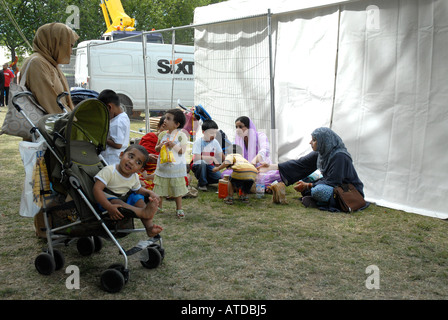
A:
x: 119, y: 66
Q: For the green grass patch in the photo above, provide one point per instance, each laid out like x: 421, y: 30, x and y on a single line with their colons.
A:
x: 249, y: 251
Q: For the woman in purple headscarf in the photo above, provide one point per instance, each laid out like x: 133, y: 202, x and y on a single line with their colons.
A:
x: 255, y: 146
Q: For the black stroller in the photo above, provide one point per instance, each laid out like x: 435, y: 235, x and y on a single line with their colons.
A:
x: 74, y: 141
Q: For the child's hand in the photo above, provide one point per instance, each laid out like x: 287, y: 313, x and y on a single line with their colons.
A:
x: 114, y: 214
x: 144, y: 174
x: 263, y: 167
x: 215, y: 169
x: 170, y: 144
x: 153, y: 158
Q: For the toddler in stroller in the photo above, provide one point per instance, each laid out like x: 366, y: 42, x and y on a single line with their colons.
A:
x: 73, y: 144
x: 118, y: 190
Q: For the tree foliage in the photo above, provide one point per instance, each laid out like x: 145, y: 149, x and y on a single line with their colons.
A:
x: 29, y: 15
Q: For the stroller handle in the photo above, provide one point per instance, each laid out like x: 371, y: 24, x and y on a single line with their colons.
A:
x: 180, y: 105
x: 58, y: 100
x: 19, y: 95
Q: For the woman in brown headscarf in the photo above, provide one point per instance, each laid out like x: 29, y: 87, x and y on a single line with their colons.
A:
x: 52, y: 46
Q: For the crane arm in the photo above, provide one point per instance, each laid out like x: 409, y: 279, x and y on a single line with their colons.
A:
x: 115, y: 17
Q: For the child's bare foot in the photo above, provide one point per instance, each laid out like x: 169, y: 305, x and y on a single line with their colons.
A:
x: 150, y: 209
x: 154, y: 230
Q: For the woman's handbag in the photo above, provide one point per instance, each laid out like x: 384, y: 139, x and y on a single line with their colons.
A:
x: 278, y: 192
x: 348, y: 198
x: 15, y: 124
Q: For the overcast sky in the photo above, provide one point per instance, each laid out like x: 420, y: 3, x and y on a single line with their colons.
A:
x: 3, y: 57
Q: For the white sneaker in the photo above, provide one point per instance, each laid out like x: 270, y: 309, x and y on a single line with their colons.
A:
x: 180, y: 213
x: 202, y: 188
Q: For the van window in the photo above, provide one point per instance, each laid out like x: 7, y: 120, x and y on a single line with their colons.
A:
x: 82, y: 61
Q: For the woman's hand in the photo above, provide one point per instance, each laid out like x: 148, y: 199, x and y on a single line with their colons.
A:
x: 302, y: 186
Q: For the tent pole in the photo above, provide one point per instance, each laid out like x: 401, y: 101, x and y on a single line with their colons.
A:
x: 271, y: 71
x: 173, y: 42
x: 336, y: 68
x: 147, y: 128
x: 273, y: 135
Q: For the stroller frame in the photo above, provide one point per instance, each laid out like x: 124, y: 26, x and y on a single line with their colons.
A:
x: 51, y: 259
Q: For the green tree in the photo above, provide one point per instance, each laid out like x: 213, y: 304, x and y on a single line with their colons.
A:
x: 21, y: 18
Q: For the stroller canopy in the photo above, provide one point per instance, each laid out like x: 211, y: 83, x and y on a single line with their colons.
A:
x: 88, y: 122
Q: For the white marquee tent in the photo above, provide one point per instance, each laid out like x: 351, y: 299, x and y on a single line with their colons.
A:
x: 376, y: 72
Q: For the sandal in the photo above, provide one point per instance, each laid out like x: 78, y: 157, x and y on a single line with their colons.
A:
x: 180, y: 213
x: 228, y: 200
x: 244, y: 199
x: 127, y: 213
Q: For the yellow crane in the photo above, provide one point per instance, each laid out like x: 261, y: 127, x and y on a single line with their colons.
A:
x: 115, y: 17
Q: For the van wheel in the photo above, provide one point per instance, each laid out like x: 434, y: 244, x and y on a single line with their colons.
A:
x: 126, y: 104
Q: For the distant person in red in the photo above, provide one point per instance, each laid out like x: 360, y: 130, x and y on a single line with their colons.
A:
x: 9, y: 75
x: 149, y: 141
x: 2, y: 89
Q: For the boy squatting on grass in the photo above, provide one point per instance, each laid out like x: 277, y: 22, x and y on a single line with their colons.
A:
x: 113, y: 183
x: 242, y: 177
x: 206, y: 153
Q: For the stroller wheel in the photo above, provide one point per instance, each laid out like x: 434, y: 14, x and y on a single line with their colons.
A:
x: 85, y: 246
x: 154, y: 258
x: 160, y: 249
x: 58, y: 259
x: 45, y: 264
x: 112, y: 280
x: 98, y: 243
x: 120, y: 267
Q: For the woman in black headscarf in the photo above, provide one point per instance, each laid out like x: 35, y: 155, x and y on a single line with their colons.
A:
x: 331, y: 157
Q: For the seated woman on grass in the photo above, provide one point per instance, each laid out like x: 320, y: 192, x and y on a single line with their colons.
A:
x: 255, y: 147
x: 331, y: 157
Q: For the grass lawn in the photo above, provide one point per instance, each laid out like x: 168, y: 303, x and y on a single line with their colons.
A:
x: 249, y: 251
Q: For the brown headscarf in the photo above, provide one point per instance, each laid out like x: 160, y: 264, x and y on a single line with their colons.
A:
x: 52, y: 46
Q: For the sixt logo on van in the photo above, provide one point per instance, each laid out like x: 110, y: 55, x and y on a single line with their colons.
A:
x: 166, y: 66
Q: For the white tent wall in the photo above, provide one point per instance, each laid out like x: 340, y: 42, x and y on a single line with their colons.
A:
x: 304, y: 77
x: 391, y: 100
x: 377, y: 75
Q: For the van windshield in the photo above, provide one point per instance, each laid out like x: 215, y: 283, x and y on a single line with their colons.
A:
x: 150, y: 37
